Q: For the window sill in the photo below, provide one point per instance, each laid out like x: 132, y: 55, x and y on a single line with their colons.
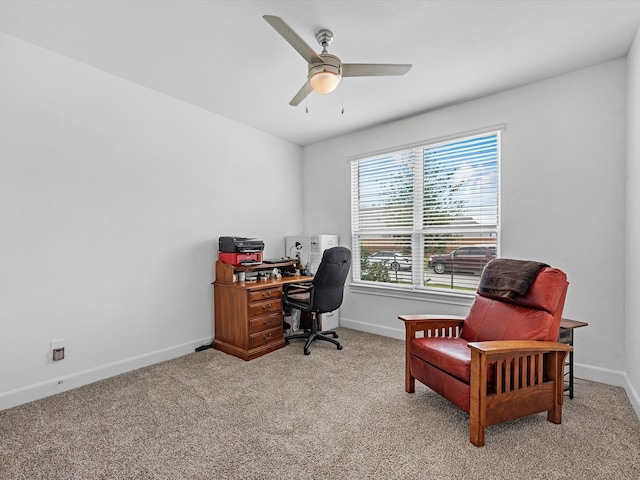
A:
x: 450, y: 298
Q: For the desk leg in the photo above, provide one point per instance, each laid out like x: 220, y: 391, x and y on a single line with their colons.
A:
x: 571, y: 373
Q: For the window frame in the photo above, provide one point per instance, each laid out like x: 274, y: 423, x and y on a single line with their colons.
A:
x: 417, y: 289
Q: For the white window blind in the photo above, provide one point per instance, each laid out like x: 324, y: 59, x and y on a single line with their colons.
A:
x: 427, y: 216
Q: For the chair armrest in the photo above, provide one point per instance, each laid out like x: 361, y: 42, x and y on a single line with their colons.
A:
x: 430, y: 325
x: 510, y: 379
x: 519, y: 365
x: 429, y: 318
x: 297, y: 288
x: 292, y: 293
x: 519, y: 347
x: 505, y: 351
x: 444, y: 325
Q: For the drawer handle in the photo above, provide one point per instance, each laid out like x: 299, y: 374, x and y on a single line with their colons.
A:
x: 267, y: 321
x: 266, y: 307
x: 265, y: 294
x: 267, y: 336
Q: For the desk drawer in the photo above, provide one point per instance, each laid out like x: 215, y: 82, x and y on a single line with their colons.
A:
x: 263, y: 338
x: 265, y: 323
x: 266, y: 294
x: 265, y: 308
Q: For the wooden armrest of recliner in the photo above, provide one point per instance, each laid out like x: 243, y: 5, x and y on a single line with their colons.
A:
x: 442, y: 325
x: 526, y: 356
x: 506, y: 347
x: 524, y: 370
x: 429, y: 325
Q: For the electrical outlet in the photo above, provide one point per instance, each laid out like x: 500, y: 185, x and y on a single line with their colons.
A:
x: 58, y: 354
x: 57, y: 347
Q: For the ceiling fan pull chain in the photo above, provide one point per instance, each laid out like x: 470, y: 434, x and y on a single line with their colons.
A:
x: 306, y: 100
x: 342, y: 92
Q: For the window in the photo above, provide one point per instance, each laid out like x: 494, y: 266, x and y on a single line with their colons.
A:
x: 426, y: 217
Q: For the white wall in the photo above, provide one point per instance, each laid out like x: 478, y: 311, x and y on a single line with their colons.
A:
x: 632, y: 331
x: 112, y: 198
x: 563, y: 202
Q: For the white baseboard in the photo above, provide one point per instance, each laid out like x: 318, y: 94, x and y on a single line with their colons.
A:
x: 57, y: 385
x: 600, y: 375
x: 610, y: 377
x: 373, y: 328
x: 633, y: 397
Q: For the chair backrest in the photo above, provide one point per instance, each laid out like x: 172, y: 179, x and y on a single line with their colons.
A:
x: 535, y: 315
x: 328, y: 282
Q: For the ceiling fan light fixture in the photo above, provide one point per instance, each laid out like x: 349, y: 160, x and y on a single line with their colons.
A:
x: 324, y: 82
x: 325, y: 77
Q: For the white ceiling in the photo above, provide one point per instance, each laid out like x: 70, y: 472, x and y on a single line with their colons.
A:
x: 222, y: 56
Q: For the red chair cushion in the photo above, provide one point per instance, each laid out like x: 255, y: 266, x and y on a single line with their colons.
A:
x: 493, y: 320
x: 451, y: 355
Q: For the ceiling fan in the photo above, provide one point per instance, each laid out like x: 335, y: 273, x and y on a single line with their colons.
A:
x: 326, y: 70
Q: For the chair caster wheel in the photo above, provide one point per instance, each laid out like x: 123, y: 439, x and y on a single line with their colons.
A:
x: 286, y: 342
x: 307, y: 352
x: 339, y: 347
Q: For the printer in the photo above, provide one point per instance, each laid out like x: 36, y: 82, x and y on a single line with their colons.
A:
x: 239, y: 251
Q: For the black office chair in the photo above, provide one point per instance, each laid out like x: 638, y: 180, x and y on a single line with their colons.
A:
x: 324, y: 294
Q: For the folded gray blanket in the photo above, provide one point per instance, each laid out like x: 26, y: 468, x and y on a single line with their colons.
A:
x: 510, y: 278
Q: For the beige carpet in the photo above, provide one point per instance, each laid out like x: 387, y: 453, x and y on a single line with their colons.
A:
x: 332, y: 414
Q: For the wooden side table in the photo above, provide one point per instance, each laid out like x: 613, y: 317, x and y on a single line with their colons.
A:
x: 566, y: 336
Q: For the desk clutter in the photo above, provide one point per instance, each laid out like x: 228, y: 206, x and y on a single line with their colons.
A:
x: 261, y: 276
x: 248, y: 252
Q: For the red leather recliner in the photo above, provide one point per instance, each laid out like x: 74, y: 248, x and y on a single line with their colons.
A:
x: 502, y: 361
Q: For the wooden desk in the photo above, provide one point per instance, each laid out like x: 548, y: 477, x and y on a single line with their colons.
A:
x: 566, y: 336
x: 248, y: 315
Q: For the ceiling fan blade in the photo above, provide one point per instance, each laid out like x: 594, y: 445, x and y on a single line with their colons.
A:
x: 301, y: 95
x: 373, y: 69
x: 293, y: 39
